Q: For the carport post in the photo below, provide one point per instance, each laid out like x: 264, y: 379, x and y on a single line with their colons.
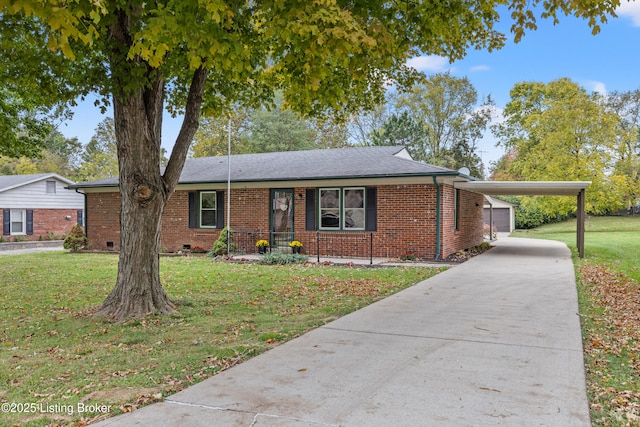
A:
x: 580, y: 224
x: 491, y: 222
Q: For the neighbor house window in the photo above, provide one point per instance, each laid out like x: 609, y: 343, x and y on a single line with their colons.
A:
x: 51, y: 187
x: 342, y: 208
x: 18, y: 221
x: 208, y: 209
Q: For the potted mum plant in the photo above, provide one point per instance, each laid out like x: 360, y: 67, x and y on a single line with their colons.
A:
x: 295, y: 246
x: 262, y: 246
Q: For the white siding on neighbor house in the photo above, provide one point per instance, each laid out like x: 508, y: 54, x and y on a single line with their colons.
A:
x: 35, y: 196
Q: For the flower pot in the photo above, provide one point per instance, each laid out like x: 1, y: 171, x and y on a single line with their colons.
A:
x: 296, y: 249
x: 262, y: 249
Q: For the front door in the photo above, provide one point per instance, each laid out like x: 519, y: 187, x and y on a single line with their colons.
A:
x: 281, y: 218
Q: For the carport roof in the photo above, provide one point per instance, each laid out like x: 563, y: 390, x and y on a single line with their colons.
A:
x: 525, y: 188
x: 536, y: 188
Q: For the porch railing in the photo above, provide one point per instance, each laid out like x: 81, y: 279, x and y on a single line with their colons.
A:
x: 315, y: 243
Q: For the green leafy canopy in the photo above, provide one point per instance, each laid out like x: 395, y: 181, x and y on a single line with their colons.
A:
x: 322, y: 54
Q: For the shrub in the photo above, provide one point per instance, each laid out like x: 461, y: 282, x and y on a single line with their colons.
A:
x: 76, y: 240
x: 53, y: 236
x: 280, y: 258
x: 220, y: 245
x: 409, y: 256
x: 533, y: 217
x: 484, y: 246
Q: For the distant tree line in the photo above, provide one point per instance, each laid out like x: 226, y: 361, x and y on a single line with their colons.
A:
x: 439, y: 121
x: 549, y: 131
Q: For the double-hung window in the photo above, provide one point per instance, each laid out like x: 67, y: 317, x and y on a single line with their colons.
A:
x: 330, y: 208
x: 208, y: 209
x: 342, y: 208
x: 18, y: 221
x: 456, y: 204
x: 353, y: 208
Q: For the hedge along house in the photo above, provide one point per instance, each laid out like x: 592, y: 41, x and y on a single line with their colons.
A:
x: 38, y: 206
x: 355, y: 202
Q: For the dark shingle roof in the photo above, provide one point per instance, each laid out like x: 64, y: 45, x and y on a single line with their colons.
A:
x: 356, y: 162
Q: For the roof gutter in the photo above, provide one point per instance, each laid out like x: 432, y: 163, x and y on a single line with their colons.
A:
x: 276, y: 180
x: 438, y: 221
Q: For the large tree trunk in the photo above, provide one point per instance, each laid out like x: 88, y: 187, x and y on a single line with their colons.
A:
x: 144, y: 191
x: 138, y: 121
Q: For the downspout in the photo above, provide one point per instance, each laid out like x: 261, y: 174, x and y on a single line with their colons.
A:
x: 438, y: 214
x: 84, y: 213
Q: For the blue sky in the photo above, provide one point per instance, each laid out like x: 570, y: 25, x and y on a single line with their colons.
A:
x: 606, y: 62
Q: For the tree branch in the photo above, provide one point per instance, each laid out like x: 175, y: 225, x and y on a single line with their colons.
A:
x: 154, y: 101
x: 187, y: 131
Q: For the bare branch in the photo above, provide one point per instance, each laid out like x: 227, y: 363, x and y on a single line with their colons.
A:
x: 187, y: 131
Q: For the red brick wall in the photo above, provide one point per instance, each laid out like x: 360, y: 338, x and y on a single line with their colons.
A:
x: 469, y: 224
x: 249, y: 212
x: 52, y: 221
x: 406, y: 222
x: 103, y: 220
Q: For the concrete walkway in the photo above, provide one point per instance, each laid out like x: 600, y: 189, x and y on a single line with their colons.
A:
x: 493, y: 341
x: 17, y: 248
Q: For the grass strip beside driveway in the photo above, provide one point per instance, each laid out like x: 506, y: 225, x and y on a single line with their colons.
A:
x: 61, y: 366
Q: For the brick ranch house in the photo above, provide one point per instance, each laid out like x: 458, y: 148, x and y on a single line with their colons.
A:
x: 38, y: 206
x: 363, y: 201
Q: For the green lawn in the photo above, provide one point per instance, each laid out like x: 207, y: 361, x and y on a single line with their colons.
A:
x: 609, y: 297
x: 54, y: 356
x: 613, y: 241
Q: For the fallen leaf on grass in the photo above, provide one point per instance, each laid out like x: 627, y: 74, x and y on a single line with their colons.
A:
x: 619, y: 297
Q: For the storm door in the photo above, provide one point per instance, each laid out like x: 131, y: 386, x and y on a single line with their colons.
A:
x: 281, y: 218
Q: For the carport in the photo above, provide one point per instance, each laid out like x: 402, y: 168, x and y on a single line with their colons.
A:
x: 536, y: 188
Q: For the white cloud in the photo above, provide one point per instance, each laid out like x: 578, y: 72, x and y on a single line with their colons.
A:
x: 630, y: 9
x: 497, y: 115
x: 596, y: 86
x: 429, y: 63
x: 479, y: 68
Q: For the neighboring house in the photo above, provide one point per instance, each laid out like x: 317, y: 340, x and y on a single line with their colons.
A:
x: 502, y: 213
x: 340, y: 202
x: 38, y: 206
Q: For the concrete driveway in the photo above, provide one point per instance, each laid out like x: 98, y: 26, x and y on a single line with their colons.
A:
x: 493, y: 341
